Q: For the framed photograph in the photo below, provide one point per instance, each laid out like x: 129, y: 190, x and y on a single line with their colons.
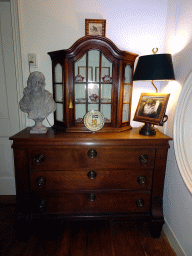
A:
x: 151, y: 108
x: 104, y: 72
x: 82, y: 72
x: 95, y: 27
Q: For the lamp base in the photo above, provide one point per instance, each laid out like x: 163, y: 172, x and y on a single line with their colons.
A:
x: 147, y: 130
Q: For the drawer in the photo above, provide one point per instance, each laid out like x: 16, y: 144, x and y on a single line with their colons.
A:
x: 47, y: 182
x: 85, y: 157
x: 97, y: 202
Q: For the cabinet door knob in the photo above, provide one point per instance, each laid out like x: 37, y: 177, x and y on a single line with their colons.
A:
x: 140, y: 203
x: 91, y: 197
x: 38, y: 159
x: 40, y: 181
x: 92, y: 153
x: 91, y: 175
x: 141, y: 180
x: 143, y: 158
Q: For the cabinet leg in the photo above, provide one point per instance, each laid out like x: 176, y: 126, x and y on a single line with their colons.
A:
x: 156, y: 227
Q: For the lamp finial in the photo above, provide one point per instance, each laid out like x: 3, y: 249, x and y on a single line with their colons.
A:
x: 155, y: 50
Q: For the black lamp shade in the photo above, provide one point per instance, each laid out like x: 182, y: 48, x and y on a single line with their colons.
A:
x: 154, y: 67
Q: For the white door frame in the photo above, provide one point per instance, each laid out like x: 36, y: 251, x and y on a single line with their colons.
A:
x: 17, y: 44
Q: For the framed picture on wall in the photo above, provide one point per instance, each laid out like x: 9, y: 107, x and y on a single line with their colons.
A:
x: 151, y: 108
x: 95, y: 27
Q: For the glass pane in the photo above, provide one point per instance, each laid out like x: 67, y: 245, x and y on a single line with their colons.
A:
x: 59, y: 92
x: 58, y: 73
x: 82, y: 74
x: 80, y: 93
x: 59, y: 112
x: 126, y: 93
x: 128, y: 74
x: 106, y: 111
x: 80, y: 69
x: 106, y: 70
x: 93, y: 107
x: 125, y: 113
x: 106, y: 93
x: 93, y: 93
x: 80, y: 110
x: 93, y: 63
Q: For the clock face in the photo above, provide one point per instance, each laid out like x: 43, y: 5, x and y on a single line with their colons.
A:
x: 94, y: 120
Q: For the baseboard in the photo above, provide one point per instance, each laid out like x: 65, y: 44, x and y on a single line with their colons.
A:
x: 8, y: 199
x: 172, y: 240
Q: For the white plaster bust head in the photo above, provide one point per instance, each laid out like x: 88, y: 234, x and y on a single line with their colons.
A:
x: 37, y: 102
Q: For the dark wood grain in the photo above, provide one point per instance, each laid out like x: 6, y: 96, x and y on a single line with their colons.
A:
x: 79, y: 238
x: 105, y: 179
x: 114, y: 191
x: 77, y: 158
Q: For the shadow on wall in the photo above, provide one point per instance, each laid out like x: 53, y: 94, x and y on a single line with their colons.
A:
x: 182, y: 63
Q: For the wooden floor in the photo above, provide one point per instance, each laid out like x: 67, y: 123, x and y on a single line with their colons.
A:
x: 78, y: 238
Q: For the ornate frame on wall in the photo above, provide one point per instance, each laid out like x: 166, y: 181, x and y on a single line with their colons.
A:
x: 183, y: 133
x: 95, y: 27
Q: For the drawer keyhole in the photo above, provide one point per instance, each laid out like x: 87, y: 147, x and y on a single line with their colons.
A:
x: 42, y: 205
x: 143, y: 158
x: 92, y: 153
x: 38, y: 159
x: 91, y: 175
x: 91, y: 197
x: 41, y: 182
x: 140, y: 203
x: 141, y: 180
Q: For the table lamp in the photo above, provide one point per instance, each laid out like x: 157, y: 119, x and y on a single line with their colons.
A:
x: 155, y: 67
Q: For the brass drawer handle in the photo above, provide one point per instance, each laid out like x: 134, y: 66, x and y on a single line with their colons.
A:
x: 141, y: 180
x: 91, y: 197
x: 42, y: 205
x: 92, y: 153
x: 143, y: 158
x: 38, y: 159
x: 40, y: 181
x: 140, y: 203
x: 91, y: 175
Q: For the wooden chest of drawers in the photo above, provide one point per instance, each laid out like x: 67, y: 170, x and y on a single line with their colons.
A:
x: 84, y: 175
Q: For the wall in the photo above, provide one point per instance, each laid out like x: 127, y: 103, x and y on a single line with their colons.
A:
x: 137, y: 27
x: 53, y: 25
x: 177, y: 198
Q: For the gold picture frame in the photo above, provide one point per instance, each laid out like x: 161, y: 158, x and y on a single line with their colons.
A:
x: 95, y: 27
x: 151, y: 108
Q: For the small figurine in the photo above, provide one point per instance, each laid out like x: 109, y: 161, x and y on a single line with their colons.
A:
x: 79, y: 78
x: 37, y: 102
x: 107, y: 79
x: 93, y: 97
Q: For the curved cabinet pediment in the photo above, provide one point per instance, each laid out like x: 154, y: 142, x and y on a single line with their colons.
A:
x: 97, y: 76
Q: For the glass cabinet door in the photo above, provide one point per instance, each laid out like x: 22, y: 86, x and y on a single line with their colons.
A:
x: 58, y: 91
x: 127, y: 93
x: 93, y: 74
x: 92, y: 85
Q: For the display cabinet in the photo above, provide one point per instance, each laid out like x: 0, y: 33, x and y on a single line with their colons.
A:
x: 93, y: 74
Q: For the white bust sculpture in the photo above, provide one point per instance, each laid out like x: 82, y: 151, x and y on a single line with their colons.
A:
x: 37, y: 102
